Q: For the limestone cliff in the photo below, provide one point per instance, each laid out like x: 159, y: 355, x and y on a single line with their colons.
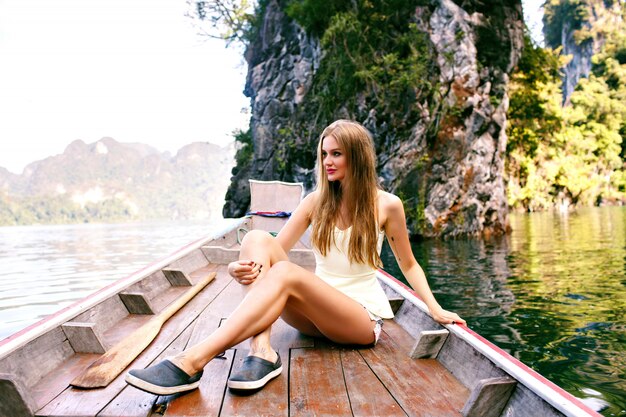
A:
x: 440, y: 139
x: 578, y: 28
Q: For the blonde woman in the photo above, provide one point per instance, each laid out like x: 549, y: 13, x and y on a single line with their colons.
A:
x: 342, y: 301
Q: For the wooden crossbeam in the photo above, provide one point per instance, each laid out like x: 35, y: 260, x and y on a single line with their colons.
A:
x: 429, y: 343
x: 489, y: 397
x: 136, y: 303
x: 83, y: 337
x: 176, y: 277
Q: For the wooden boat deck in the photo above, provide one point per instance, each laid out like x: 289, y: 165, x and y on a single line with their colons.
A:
x: 319, y: 378
x: 470, y: 377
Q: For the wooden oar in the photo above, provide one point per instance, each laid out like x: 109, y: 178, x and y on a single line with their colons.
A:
x: 112, y: 363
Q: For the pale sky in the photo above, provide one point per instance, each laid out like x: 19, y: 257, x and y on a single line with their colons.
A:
x: 133, y: 70
x: 533, y: 13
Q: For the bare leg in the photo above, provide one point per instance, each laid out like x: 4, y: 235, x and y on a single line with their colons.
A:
x: 309, y: 304
x: 254, y: 247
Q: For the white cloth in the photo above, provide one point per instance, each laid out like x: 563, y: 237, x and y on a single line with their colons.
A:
x: 357, y: 281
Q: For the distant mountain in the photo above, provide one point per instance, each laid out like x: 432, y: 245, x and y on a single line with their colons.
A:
x: 112, y: 181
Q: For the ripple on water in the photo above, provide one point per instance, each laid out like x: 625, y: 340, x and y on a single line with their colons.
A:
x: 48, y: 267
x: 551, y: 294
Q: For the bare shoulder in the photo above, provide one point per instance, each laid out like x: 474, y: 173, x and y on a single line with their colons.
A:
x: 309, y: 202
x: 311, y: 198
x: 388, y: 203
x: 389, y: 207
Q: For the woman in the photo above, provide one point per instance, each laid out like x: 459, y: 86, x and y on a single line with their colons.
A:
x: 342, y: 301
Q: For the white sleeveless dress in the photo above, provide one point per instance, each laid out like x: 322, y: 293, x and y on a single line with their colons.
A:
x: 357, y: 281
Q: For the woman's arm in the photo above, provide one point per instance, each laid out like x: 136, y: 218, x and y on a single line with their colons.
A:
x: 298, y: 222
x: 394, y: 221
x: 245, y: 271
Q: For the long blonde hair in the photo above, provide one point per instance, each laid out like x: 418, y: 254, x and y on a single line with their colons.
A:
x: 358, y: 190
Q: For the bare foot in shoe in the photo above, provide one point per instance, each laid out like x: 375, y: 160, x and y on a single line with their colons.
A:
x: 265, y: 352
x: 184, y: 363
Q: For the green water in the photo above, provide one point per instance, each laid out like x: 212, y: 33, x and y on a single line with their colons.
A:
x: 552, y: 294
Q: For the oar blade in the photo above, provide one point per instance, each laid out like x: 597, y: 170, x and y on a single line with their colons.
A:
x: 113, y: 362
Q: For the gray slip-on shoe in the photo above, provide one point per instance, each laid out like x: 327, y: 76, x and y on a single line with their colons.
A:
x: 164, y: 378
x: 255, y: 373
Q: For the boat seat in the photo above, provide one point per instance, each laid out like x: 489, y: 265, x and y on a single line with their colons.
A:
x: 273, y: 197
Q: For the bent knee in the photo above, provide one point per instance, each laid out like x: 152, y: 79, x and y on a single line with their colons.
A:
x: 256, y: 236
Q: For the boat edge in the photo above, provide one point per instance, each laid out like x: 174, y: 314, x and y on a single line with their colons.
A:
x: 554, y: 395
x: 31, y: 332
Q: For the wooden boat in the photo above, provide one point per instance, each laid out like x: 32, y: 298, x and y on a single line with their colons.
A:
x: 418, y: 368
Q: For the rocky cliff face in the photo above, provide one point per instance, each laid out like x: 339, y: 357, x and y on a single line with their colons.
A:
x: 578, y: 28
x: 444, y: 156
x: 281, y: 63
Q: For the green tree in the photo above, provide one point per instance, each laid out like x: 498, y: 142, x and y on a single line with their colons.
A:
x: 573, y: 154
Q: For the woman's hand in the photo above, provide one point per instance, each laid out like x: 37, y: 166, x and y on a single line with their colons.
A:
x: 244, y: 271
x: 445, y: 317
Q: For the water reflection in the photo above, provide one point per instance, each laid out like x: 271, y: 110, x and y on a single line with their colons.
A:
x: 551, y: 294
x: 45, y: 268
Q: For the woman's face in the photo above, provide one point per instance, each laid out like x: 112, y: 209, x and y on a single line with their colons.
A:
x: 333, y: 159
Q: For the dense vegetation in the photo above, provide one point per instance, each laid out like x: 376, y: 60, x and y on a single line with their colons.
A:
x: 572, y: 154
x: 61, y: 210
x: 83, y: 185
x: 556, y: 155
x: 376, y: 63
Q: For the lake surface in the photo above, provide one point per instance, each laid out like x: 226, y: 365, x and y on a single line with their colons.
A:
x: 552, y: 293
x: 45, y: 268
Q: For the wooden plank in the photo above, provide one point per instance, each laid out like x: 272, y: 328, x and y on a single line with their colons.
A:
x: 207, y: 399
x: 229, y: 239
x: 166, y: 297
x: 316, y: 384
x: 58, y: 379
x: 81, y: 402
x: 124, y: 327
x: 152, y: 287
x: 116, y: 359
x: 429, y: 343
x: 414, y: 320
x: 16, y: 400
x: 38, y: 357
x: 368, y: 396
x: 104, y: 314
x: 220, y: 254
x: 489, y: 397
x: 285, y: 337
x: 132, y: 402
x: 136, y: 303
x: 271, y: 401
x: 83, y: 337
x: 424, y: 387
x: 176, y: 277
x: 525, y: 403
x: 467, y: 364
x: 191, y: 262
